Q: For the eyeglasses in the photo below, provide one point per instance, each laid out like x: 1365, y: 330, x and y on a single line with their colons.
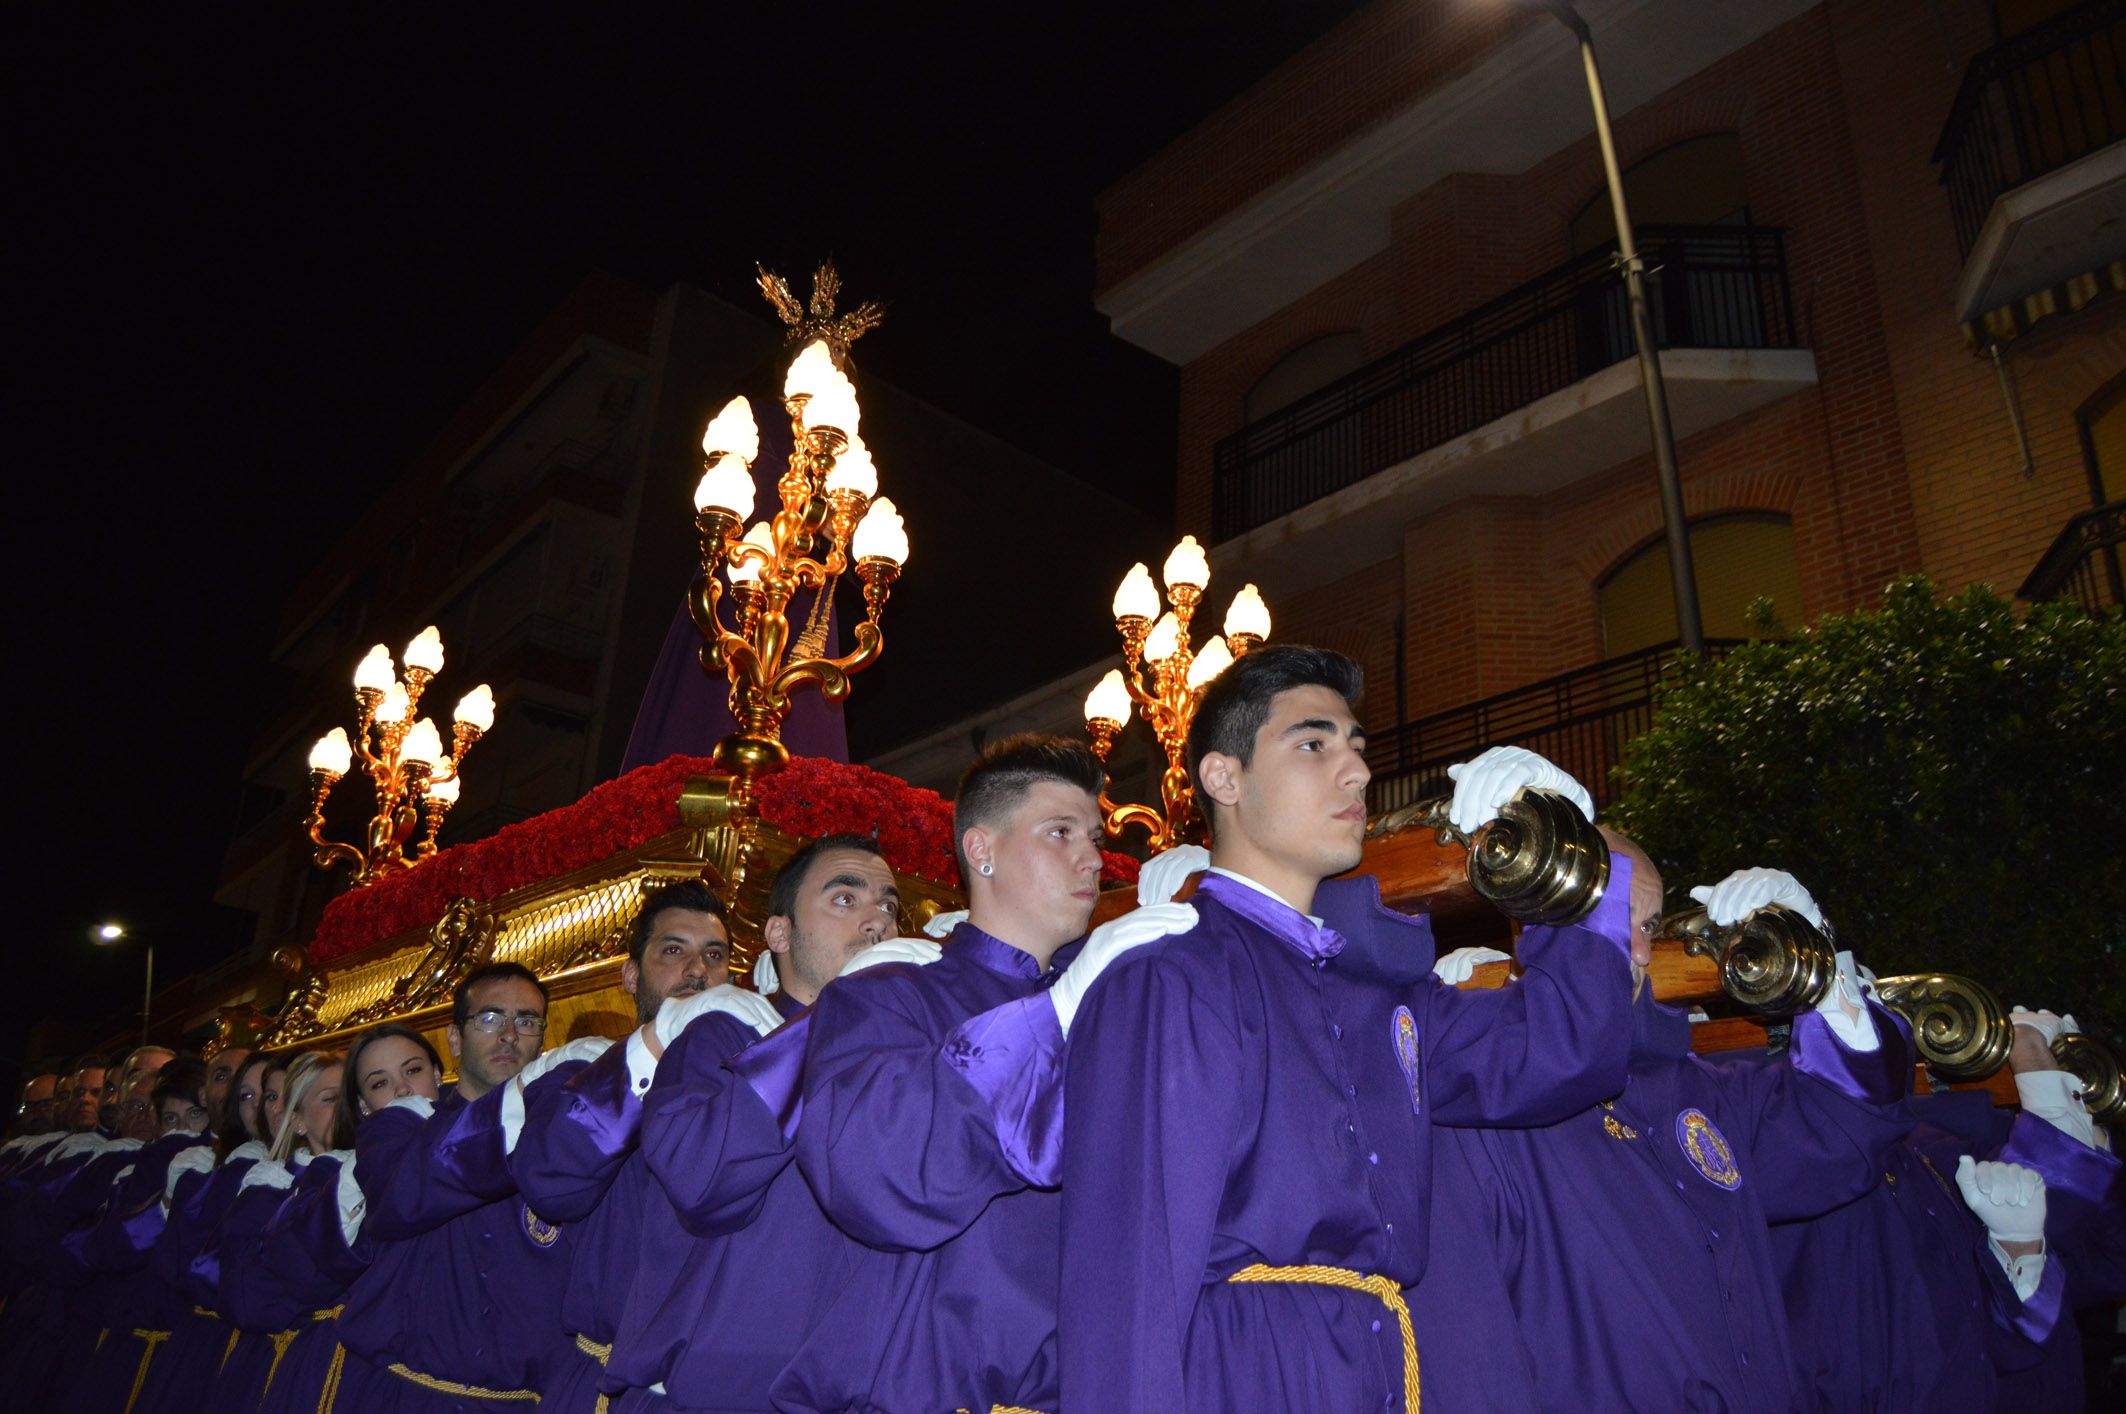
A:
x: 492, y: 1022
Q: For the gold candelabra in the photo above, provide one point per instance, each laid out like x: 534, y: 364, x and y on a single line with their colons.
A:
x: 1162, y: 679
x: 830, y: 519
x: 401, y: 753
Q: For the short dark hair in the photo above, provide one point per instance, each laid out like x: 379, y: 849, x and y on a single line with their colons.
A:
x: 460, y: 998
x: 184, y: 1077
x: 992, y: 787
x: 790, y: 881
x: 347, y: 1111
x: 1235, y: 705
x: 691, y: 895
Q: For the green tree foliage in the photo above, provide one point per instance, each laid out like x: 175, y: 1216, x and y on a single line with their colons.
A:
x: 1948, y: 779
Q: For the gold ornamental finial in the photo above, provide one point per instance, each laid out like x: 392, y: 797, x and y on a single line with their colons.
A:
x: 819, y: 321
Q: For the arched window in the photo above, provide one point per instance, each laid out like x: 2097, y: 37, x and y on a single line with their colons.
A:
x: 1696, y: 182
x: 1738, y: 558
x: 1307, y: 369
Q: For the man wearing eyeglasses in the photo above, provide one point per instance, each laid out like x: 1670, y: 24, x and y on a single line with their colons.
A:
x: 444, y: 1229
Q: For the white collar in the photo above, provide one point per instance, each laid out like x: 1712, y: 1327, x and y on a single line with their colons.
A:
x: 1267, y: 892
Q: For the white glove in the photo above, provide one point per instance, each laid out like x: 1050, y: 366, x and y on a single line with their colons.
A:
x: 266, y: 1174
x: 1460, y: 965
x: 2044, y: 1023
x: 749, y: 1007
x: 2055, y: 1096
x: 1483, y: 787
x: 941, y: 925
x: 2008, y: 1198
x: 352, y: 1204
x: 197, y: 1159
x: 919, y: 951
x: 421, y: 1105
x: 1109, y: 941
x: 1746, y: 890
x: 583, y: 1048
x: 766, y: 981
x: 1164, y: 873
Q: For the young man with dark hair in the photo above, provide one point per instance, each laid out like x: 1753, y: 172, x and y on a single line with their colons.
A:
x: 569, y: 1136
x: 678, y: 945
x: 1250, y: 1108
x: 931, y: 1108
x: 432, y: 1203
x: 835, y: 898
x: 689, y: 1313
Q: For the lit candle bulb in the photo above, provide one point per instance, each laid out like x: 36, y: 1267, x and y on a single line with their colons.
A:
x: 443, y: 792
x: 1164, y: 641
x: 423, y: 744
x: 1248, y: 617
x: 1136, y: 597
x: 476, y: 709
x: 880, y: 535
x: 425, y: 653
x: 333, y: 754
x: 733, y: 431
x: 376, y: 671
x: 396, y: 705
x: 726, y: 486
x: 854, y: 471
x: 1213, y: 660
x: 1187, y: 565
x: 747, y: 571
x: 1109, y: 700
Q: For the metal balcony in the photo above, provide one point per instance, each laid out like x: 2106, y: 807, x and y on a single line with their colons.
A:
x: 1711, y: 288
x: 2083, y: 561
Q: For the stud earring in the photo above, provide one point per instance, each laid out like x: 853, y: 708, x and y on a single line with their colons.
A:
x: 988, y: 869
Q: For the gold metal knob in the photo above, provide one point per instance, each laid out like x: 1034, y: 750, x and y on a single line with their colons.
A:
x: 1960, y: 1027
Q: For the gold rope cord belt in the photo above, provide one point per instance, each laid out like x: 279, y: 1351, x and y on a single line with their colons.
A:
x: 229, y: 1349
x: 463, y: 1391
x: 147, y: 1357
x: 329, y: 1393
x: 600, y: 1353
x: 1003, y: 1409
x: 1381, y: 1288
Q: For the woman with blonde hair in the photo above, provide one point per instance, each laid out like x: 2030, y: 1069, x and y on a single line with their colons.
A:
x: 255, y: 1296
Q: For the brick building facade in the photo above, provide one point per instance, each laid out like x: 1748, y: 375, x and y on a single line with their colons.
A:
x: 1420, y: 176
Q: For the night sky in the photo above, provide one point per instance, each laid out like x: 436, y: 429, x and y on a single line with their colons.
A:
x: 261, y: 265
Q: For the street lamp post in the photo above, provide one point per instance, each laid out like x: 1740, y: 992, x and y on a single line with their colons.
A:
x: 112, y: 934
x: 1690, y: 628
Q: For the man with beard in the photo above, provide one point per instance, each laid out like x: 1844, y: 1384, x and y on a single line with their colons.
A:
x: 220, y: 1071
x: 570, y: 1135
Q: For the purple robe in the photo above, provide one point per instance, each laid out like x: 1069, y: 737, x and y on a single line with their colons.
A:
x: 1242, y: 1093
x: 2085, y: 1235
x: 718, y: 1206
x: 581, y: 1124
x: 1620, y: 1258
x: 136, y: 1307
x: 926, y: 1099
x: 464, y: 1281
x: 306, y: 1250
x: 185, y: 1260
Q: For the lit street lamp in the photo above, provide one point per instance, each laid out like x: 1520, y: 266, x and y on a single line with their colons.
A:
x: 110, y: 935
x: 1690, y: 628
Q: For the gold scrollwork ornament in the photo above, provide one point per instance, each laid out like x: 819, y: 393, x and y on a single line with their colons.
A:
x: 1960, y: 1027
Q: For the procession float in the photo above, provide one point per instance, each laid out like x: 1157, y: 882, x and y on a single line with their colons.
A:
x: 557, y: 892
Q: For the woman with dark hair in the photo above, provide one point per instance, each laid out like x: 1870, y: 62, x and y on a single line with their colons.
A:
x: 187, y: 1257
x: 139, y: 1312
x: 316, y: 1232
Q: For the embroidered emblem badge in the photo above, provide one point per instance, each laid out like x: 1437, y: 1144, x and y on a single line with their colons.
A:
x: 1707, y: 1149
x: 1406, y: 1050
x: 539, y: 1230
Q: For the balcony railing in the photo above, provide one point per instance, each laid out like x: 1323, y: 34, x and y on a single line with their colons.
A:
x: 1581, y: 720
x: 1709, y: 287
x: 2083, y: 561
x: 2032, y: 105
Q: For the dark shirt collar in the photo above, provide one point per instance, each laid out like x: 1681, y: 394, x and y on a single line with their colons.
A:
x: 1309, y: 937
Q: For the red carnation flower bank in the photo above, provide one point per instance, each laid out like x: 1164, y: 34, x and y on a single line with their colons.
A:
x: 811, y: 797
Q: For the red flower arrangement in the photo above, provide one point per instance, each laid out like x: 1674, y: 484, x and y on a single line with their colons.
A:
x: 811, y: 797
